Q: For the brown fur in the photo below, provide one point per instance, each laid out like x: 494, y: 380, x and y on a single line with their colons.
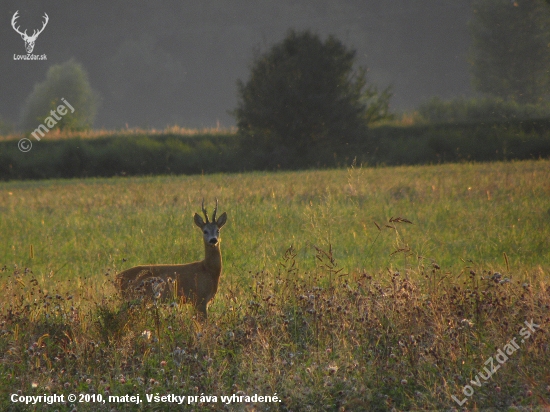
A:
x: 195, y: 283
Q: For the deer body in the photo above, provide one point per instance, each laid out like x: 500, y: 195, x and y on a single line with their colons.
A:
x: 195, y: 283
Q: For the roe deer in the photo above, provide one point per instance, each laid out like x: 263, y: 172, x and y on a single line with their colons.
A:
x: 194, y: 283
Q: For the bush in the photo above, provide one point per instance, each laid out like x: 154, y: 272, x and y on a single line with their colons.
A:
x: 462, y: 110
x: 304, y: 96
x: 142, y: 154
x: 69, y: 81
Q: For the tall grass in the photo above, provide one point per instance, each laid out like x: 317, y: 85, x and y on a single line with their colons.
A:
x: 460, y: 212
x: 329, y: 296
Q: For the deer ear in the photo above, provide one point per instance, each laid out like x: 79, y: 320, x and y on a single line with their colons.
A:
x: 221, y: 220
x: 198, y: 220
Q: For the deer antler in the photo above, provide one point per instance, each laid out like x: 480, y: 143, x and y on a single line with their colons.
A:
x: 35, y: 32
x: 215, y: 210
x: 204, y: 211
x: 14, y: 18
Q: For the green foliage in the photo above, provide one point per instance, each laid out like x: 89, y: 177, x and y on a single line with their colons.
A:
x: 142, y: 154
x: 304, y: 96
x: 126, y: 155
x: 67, y: 81
x: 510, y: 54
x: 488, y: 109
x: 377, y: 105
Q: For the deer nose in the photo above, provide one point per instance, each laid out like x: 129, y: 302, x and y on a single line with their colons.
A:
x: 214, y: 240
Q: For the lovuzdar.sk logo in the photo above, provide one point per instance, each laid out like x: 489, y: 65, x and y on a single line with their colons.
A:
x: 29, y: 40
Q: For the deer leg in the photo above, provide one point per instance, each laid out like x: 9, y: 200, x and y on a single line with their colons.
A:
x: 201, y: 311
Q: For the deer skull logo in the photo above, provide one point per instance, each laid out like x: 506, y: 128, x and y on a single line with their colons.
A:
x: 29, y: 40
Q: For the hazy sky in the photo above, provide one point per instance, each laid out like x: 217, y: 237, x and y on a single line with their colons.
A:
x: 165, y: 62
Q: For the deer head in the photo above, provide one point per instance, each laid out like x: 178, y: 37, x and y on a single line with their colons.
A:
x: 29, y: 40
x: 210, y: 230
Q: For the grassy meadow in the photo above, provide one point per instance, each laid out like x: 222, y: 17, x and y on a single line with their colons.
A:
x: 345, y: 290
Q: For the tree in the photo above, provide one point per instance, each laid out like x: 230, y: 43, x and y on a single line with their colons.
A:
x: 510, y: 52
x: 303, y: 96
x: 68, y: 81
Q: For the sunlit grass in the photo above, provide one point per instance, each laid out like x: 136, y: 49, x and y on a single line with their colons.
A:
x: 364, y: 312
x: 175, y: 130
x: 459, y: 213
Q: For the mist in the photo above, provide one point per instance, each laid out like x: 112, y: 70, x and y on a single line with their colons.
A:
x: 172, y: 62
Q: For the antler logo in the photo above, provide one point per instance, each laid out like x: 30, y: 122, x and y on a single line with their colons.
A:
x: 29, y: 40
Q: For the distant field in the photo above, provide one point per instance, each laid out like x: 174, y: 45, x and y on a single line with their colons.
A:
x: 57, y: 134
x: 466, y: 218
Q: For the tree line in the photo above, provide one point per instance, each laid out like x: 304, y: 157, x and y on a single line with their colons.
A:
x: 307, y: 99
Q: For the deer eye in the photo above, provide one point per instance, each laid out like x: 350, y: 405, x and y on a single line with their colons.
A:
x: 205, y: 232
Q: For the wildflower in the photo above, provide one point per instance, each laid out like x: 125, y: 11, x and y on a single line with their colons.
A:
x: 467, y: 322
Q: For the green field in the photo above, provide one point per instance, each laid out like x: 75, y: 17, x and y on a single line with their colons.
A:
x: 395, y: 295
